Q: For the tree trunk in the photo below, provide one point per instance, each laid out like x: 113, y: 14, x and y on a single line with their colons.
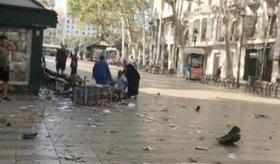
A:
x: 229, y: 72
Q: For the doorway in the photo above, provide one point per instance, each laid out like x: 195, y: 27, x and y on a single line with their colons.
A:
x: 216, y: 62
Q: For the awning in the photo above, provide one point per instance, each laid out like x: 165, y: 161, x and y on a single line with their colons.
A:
x: 26, y: 13
x: 200, y: 51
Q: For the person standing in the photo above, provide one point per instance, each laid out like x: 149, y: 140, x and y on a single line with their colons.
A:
x: 74, y: 63
x: 218, y: 74
x: 133, y: 78
x: 61, y: 57
x: 5, y: 48
x: 101, y: 72
x: 82, y: 55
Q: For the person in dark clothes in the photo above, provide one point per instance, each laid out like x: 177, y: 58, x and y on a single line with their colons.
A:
x: 61, y: 57
x: 218, y: 74
x: 74, y: 63
x: 133, y: 78
x: 101, y: 72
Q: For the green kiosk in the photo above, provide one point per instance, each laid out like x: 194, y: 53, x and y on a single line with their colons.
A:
x: 23, y: 22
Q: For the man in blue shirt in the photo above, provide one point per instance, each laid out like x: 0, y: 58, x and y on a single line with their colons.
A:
x: 101, y: 72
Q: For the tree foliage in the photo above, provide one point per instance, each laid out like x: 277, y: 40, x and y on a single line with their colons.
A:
x: 107, y: 15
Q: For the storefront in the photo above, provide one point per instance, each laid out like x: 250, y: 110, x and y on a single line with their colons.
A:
x: 257, y: 62
x: 23, y: 23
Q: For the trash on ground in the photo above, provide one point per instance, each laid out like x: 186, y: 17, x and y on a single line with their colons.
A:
x: 161, y: 139
x: 172, y: 125
x: 29, y: 136
x: 147, y: 148
x: 192, y: 160
x: 262, y: 116
x: 107, y: 111
x: 158, y: 94
x: 8, y: 124
x: 72, y: 157
x: 232, y: 136
x: 131, y: 105
x: 198, y: 132
x: 114, y: 131
x: 201, y: 148
x: 12, y: 115
x: 164, y: 110
x: 197, y: 109
x: 232, y: 156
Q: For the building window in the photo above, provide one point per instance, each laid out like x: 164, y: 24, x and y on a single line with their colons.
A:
x: 68, y: 21
x: 214, y: 26
x: 233, y: 30
x: 272, y: 30
x: 83, y: 33
x: 196, y: 27
x: 204, y: 29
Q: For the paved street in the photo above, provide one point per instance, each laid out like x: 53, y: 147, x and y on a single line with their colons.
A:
x: 160, y: 129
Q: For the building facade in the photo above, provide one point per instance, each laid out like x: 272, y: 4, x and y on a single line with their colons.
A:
x: 233, y: 35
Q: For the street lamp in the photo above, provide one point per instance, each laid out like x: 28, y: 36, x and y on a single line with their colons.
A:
x: 195, y: 33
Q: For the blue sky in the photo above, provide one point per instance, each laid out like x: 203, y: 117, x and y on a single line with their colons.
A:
x: 61, y: 3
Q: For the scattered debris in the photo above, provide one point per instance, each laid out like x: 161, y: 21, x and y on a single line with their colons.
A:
x: 258, y: 116
x: 8, y: 124
x: 197, y: 109
x: 164, y: 110
x: 192, y: 160
x: 232, y: 156
x: 232, y: 136
x: 198, y: 132
x: 12, y: 115
x: 201, y: 148
x: 131, y: 105
x: 73, y: 157
x: 161, y: 139
x: 158, y: 94
x: 107, y: 111
x: 97, y: 124
x: 270, y: 137
x: 114, y: 131
x: 218, y: 162
x: 147, y: 148
x: 172, y: 125
x: 29, y: 136
x: 267, y: 149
